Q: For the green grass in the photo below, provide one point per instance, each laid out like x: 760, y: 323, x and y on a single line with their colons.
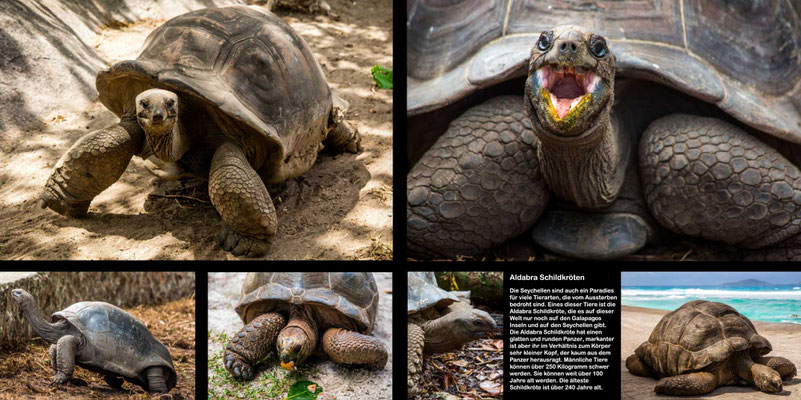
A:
x: 271, y: 382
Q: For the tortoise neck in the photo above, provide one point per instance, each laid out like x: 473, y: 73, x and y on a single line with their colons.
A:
x: 444, y: 333
x: 50, y: 332
x: 590, y: 171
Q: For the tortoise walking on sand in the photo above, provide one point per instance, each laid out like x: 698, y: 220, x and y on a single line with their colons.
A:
x: 299, y: 313
x: 703, y: 345
x: 101, y: 338
x: 652, y: 117
x: 232, y: 95
x: 437, y: 322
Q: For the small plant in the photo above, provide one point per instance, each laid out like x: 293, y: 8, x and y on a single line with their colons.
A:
x: 382, y: 77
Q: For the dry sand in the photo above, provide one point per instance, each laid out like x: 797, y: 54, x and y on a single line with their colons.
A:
x: 637, y: 324
x: 340, y: 209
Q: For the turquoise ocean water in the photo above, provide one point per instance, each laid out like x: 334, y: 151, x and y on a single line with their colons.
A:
x: 763, y: 303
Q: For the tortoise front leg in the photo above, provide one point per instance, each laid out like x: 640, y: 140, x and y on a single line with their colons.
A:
x: 416, y: 341
x: 478, y: 186
x: 705, y: 177
x: 348, y: 347
x: 65, y: 358
x: 688, y: 384
x: 251, y: 344
x: 783, y: 366
x: 239, y: 195
x: 91, y: 165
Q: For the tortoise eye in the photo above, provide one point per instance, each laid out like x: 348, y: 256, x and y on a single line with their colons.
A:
x: 477, y: 322
x: 598, y: 46
x: 170, y: 103
x: 144, y: 103
x: 545, y: 41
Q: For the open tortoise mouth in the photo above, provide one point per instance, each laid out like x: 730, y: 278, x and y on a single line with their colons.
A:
x: 567, y: 89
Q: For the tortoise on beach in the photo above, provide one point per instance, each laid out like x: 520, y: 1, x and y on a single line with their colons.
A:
x: 230, y: 95
x: 437, y: 322
x: 703, y: 345
x: 635, y: 121
x: 300, y: 313
x: 102, y: 338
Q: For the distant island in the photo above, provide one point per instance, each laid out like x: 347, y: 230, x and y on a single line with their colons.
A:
x: 750, y: 283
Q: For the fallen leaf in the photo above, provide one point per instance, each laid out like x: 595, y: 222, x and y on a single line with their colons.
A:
x: 493, y: 388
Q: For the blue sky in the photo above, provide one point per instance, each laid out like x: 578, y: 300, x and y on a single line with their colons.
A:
x: 704, y: 278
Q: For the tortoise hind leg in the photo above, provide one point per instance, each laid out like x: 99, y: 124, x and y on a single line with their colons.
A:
x: 348, y: 347
x: 416, y: 342
x: 65, y: 358
x: 637, y: 367
x: 783, y: 366
x: 156, y: 380
x: 343, y: 138
x: 244, y: 204
x: 251, y: 344
x: 688, y: 384
x: 705, y: 177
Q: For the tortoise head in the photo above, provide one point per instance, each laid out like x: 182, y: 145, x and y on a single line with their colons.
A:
x: 23, y: 298
x: 570, y: 84
x: 157, y: 113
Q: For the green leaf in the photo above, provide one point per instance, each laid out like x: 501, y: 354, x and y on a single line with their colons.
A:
x: 382, y: 77
x: 304, y: 390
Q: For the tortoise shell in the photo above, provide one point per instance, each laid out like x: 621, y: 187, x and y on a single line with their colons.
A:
x: 423, y: 293
x: 116, y: 343
x: 745, y: 57
x: 341, y: 299
x: 699, y: 334
x: 245, y: 66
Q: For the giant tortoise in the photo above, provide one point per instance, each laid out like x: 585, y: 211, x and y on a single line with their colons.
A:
x: 438, y: 322
x: 299, y: 313
x: 705, y: 344
x: 102, y: 338
x: 230, y: 95
x: 644, y: 119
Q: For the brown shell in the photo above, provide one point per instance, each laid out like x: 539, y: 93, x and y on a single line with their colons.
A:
x: 423, y: 292
x: 352, y: 295
x: 745, y: 57
x: 698, y: 334
x: 244, y: 61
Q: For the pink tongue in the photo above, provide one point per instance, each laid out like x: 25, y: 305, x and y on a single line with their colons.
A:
x: 565, y: 91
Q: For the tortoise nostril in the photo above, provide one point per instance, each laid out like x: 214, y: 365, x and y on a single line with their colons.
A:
x: 562, y: 47
x: 573, y: 47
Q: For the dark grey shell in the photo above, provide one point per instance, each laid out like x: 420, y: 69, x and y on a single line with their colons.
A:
x: 116, y: 342
x: 246, y: 63
x: 698, y: 334
x: 352, y: 296
x: 424, y: 293
x: 745, y: 57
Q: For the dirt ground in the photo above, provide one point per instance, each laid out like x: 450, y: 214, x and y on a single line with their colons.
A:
x: 340, y: 209
x: 27, y: 374
x: 637, y: 324
x: 272, y: 381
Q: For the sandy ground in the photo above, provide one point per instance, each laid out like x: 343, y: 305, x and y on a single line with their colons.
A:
x: 637, y: 324
x: 272, y: 382
x: 340, y: 209
x: 28, y: 374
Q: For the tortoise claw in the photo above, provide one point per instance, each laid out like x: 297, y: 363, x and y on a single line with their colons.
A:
x: 237, y: 366
x: 242, y: 245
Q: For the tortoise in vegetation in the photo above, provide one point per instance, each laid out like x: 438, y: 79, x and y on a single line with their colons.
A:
x: 230, y: 95
x: 102, y: 338
x: 328, y: 312
x: 703, y: 345
x: 437, y: 322
x: 654, y: 119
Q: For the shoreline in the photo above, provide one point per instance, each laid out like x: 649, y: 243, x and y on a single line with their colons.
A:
x: 636, y: 324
